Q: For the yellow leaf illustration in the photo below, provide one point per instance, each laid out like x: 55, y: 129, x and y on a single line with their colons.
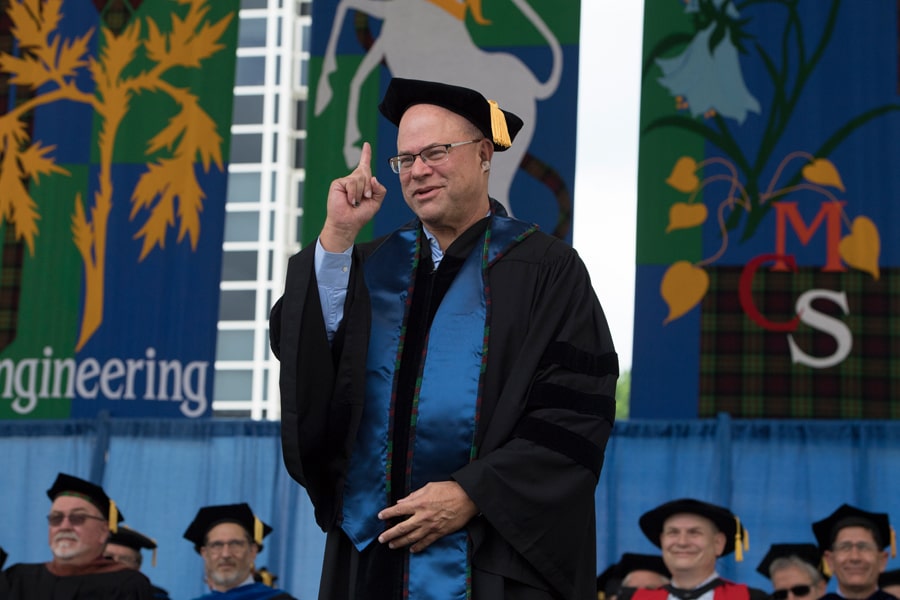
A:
x: 73, y: 55
x: 862, y: 247
x: 683, y: 176
x: 82, y: 232
x: 823, y: 172
x: 682, y: 287
x: 26, y: 71
x: 119, y: 51
x: 16, y: 205
x: 683, y: 215
x: 35, y: 162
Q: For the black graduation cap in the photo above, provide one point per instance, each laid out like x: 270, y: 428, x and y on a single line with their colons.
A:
x: 737, y: 538
x: 67, y: 485
x: 889, y: 578
x: 809, y: 553
x: 498, y: 125
x: 642, y: 562
x: 3, y: 557
x: 827, y: 529
x: 210, y: 516
x: 133, y: 539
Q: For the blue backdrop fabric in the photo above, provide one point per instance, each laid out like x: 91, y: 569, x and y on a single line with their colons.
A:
x: 777, y: 476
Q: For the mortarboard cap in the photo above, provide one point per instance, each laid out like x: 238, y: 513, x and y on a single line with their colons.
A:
x: 126, y: 536
x: 737, y: 538
x: 210, y: 516
x: 642, y: 562
x: 808, y: 553
x: 498, y: 125
x: 67, y: 485
x: 827, y: 529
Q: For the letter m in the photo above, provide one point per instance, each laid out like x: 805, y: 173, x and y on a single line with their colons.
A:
x: 829, y: 212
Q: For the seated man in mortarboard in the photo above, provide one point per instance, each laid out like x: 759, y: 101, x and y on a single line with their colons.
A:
x: 229, y: 537
x: 692, y: 536
x: 795, y: 572
x: 889, y: 582
x: 125, y: 546
x: 633, y: 571
x: 80, y: 520
x: 853, y: 543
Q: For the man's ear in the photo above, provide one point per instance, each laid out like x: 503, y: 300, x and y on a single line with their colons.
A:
x: 720, y: 543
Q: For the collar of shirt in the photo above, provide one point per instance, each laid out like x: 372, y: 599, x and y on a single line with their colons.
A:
x: 436, y: 253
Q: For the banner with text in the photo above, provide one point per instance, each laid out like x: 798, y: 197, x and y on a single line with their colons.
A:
x: 521, y: 53
x: 767, y: 278
x: 114, y: 136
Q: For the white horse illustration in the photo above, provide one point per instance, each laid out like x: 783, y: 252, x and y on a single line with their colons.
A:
x: 428, y: 39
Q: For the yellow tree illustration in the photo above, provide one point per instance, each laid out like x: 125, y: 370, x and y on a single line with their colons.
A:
x: 168, y: 189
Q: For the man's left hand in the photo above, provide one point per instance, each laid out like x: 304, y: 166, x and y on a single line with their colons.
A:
x: 431, y: 512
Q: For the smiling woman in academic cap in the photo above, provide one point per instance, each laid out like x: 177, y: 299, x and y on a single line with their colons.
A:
x: 80, y: 521
x: 448, y: 390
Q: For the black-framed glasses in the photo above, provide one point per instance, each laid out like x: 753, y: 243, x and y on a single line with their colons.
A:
x: 75, y: 519
x: 432, y: 155
x: 798, y: 591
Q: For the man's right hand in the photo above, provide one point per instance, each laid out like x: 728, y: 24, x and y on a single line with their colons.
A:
x: 352, y: 202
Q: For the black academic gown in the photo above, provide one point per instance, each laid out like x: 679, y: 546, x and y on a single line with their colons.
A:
x: 36, y: 582
x: 547, y: 411
x: 878, y: 595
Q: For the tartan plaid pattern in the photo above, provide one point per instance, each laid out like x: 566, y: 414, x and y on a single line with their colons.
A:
x: 747, y: 371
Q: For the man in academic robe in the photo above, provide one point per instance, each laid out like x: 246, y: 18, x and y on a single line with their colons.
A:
x: 125, y: 546
x: 853, y: 543
x: 229, y: 538
x: 447, y: 390
x: 80, y: 521
x: 795, y: 571
x: 693, y: 535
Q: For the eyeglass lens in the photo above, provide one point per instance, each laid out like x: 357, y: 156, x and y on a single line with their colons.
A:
x: 233, y: 545
x: 75, y: 519
x: 798, y: 591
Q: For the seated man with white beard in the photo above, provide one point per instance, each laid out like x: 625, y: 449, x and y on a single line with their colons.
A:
x: 229, y: 537
x: 80, y: 521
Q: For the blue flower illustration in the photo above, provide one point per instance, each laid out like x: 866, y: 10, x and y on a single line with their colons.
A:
x: 708, y: 73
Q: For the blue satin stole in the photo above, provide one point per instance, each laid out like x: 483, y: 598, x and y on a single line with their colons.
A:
x: 446, y: 404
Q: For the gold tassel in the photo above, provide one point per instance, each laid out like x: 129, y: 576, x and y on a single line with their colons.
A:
x: 113, y: 516
x: 498, y: 126
x: 893, y: 543
x: 826, y: 570
x: 266, y: 577
x: 257, y: 530
x: 746, y: 539
x: 738, y: 542
x: 153, y: 558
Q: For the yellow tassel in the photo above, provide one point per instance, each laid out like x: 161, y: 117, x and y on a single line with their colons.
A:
x: 738, y: 542
x: 113, y: 517
x: 826, y: 570
x: 746, y: 539
x: 498, y: 126
x: 153, y: 558
x: 893, y: 543
x: 257, y: 530
x: 266, y: 577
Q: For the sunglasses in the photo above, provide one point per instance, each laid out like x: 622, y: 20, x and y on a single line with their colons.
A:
x: 75, y: 519
x: 798, y: 591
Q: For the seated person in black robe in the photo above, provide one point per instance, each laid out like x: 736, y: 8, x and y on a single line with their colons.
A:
x: 125, y: 546
x: 229, y: 537
x: 853, y: 543
x: 80, y: 521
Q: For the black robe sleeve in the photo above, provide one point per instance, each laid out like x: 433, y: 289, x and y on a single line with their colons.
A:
x: 553, y: 370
